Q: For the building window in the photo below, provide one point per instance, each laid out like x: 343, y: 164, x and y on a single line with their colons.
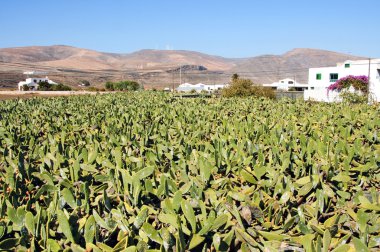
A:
x: 333, y: 77
x: 290, y: 82
x: 319, y: 76
x: 347, y: 65
x: 312, y: 88
x: 35, y: 81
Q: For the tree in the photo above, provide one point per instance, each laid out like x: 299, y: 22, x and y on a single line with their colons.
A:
x: 238, y: 87
x: 60, y: 87
x: 44, y: 86
x: 234, y: 77
x: 133, y: 85
x: 245, y: 87
x: 109, y: 86
x: 123, y: 85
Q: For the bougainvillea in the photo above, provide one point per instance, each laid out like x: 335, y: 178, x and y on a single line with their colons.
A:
x: 359, y: 83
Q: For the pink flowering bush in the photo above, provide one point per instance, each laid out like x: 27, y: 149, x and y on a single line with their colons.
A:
x: 359, y: 83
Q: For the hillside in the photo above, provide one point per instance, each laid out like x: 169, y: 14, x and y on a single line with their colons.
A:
x: 157, y: 68
x: 83, y: 59
x: 292, y: 64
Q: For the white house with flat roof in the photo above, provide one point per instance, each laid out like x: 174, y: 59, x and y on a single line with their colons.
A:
x: 322, y: 77
x: 286, y: 85
x: 33, y: 82
x: 209, y: 88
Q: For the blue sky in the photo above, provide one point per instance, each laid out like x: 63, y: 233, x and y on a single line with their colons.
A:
x: 227, y: 28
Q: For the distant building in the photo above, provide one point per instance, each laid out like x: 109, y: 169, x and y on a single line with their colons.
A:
x: 322, y: 77
x: 286, y: 85
x: 188, y: 87
x: 33, y: 82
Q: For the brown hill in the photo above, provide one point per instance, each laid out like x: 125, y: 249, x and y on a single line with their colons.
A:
x: 293, y: 64
x: 157, y: 67
x: 83, y: 59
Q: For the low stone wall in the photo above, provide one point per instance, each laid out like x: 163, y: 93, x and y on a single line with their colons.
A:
x: 289, y: 94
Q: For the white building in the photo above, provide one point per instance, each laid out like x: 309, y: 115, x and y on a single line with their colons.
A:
x: 188, y: 87
x: 32, y: 82
x: 321, y: 78
x: 286, y: 85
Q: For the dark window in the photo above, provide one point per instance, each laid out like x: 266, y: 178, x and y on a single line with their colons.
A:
x: 319, y: 76
x: 35, y: 81
x: 312, y: 88
x: 347, y: 65
x: 333, y: 77
x: 290, y: 82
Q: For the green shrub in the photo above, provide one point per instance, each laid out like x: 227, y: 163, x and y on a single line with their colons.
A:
x: 44, y: 86
x: 123, y: 86
x: 60, y: 87
x: 261, y: 91
x: 245, y: 87
x: 353, y: 97
x: 109, y: 86
x: 92, y: 89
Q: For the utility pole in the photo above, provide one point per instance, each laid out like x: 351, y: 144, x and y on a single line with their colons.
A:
x: 369, y: 70
x: 369, y: 80
x: 180, y: 74
x: 173, y: 80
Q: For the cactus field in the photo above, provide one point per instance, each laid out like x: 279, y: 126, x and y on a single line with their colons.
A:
x: 148, y: 172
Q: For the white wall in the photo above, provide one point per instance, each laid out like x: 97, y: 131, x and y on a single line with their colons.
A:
x: 187, y: 87
x: 318, y: 88
x: 321, y: 95
x: 285, y: 84
x: 33, y: 82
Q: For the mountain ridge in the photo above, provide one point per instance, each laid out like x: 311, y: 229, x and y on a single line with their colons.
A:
x: 155, y: 67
